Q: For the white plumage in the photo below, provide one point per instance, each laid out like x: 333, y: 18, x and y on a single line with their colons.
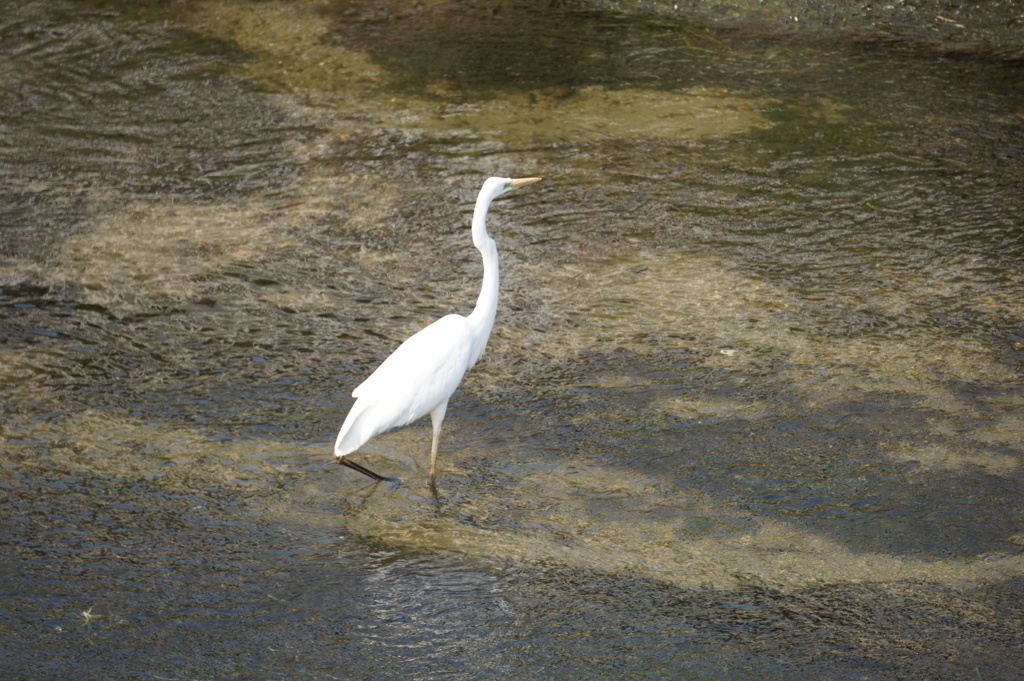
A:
x: 420, y: 376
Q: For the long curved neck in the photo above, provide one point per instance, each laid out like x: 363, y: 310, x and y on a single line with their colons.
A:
x: 482, y: 317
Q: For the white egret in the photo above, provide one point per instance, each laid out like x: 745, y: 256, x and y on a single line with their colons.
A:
x: 421, y: 375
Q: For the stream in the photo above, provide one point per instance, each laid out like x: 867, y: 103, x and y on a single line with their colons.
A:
x: 751, y: 408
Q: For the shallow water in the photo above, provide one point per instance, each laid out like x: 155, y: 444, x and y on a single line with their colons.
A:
x: 751, y: 408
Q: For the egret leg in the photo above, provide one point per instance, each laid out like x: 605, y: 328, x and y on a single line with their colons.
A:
x: 436, y: 418
x: 364, y: 470
x: 433, y: 454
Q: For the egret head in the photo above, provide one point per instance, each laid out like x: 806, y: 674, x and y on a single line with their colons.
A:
x: 496, y: 186
x: 492, y: 189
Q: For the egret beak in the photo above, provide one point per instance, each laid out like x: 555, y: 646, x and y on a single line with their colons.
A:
x: 523, y: 180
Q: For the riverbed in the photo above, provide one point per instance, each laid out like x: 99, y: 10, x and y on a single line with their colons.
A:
x: 751, y: 408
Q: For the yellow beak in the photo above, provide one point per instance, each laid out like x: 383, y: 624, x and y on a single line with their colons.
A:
x: 523, y: 180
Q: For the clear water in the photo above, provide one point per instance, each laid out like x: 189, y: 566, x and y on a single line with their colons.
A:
x: 751, y: 408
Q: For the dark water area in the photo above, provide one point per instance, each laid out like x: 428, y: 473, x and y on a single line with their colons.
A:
x: 751, y: 409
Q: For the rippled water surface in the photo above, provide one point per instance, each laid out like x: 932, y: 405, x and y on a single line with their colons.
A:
x: 752, y: 406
